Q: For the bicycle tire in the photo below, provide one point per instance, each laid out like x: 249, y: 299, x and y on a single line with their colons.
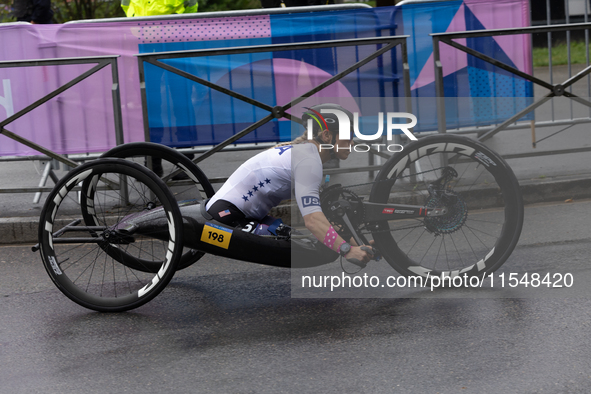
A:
x: 176, y: 161
x: 485, y: 217
x: 86, y: 268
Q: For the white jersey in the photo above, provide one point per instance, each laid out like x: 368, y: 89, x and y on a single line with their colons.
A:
x: 276, y: 174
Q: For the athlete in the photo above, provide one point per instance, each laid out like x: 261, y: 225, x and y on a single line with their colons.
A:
x: 290, y: 170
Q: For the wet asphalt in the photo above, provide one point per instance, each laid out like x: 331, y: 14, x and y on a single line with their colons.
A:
x: 224, y: 326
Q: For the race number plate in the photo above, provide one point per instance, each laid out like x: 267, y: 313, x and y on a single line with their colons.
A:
x: 216, y: 235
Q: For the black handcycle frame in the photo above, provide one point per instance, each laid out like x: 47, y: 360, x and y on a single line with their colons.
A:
x: 445, y: 211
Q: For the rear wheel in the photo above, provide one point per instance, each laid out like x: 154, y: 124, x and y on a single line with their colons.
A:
x: 102, y: 265
x: 483, y: 201
x: 193, y: 184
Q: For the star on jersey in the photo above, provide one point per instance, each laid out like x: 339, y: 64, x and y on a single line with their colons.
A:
x: 255, y: 189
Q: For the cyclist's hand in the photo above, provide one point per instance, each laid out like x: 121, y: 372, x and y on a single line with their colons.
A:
x: 375, y: 254
x: 359, y: 255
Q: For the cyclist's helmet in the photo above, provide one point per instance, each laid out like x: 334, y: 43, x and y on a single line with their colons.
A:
x: 322, y: 121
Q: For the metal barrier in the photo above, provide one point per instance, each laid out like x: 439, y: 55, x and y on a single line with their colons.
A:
x: 555, y: 89
x: 101, y: 62
x: 278, y: 111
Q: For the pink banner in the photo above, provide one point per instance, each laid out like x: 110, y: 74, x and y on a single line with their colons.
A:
x: 80, y: 119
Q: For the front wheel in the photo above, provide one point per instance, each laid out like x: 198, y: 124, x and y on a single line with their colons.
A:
x: 484, y: 208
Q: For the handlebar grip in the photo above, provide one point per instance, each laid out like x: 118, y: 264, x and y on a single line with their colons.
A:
x: 373, y: 252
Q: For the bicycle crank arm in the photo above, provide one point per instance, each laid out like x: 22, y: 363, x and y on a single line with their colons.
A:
x: 350, y: 227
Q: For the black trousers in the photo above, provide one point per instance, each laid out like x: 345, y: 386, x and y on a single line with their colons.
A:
x: 225, y: 212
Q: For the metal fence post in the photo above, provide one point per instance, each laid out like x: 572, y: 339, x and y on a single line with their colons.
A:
x: 439, y: 87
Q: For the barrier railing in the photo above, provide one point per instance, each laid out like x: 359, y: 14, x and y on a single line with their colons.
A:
x: 383, y: 44
x: 555, y: 89
x: 101, y: 62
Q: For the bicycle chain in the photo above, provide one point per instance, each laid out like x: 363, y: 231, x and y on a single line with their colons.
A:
x: 390, y: 179
x: 367, y: 232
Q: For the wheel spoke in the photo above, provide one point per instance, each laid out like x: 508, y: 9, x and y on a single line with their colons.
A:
x: 108, y: 276
x: 465, y: 187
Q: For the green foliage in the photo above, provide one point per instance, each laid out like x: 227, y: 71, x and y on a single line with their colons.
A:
x: 5, y: 11
x: 68, y: 10
x: 227, y: 5
x: 560, y: 54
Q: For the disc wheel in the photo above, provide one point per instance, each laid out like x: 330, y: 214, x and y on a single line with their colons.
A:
x: 484, y: 208
x: 194, y: 185
x: 97, y: 265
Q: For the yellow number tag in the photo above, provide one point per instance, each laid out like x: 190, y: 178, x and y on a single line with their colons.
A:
x: 216, y: 235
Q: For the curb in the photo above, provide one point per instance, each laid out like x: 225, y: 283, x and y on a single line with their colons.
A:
x: 23, y: 230
x: 555, y: 190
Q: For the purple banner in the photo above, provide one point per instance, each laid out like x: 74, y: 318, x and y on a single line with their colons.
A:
x: 81, y: 119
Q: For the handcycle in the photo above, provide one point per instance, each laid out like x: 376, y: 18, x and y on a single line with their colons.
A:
x: 112, y: 233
